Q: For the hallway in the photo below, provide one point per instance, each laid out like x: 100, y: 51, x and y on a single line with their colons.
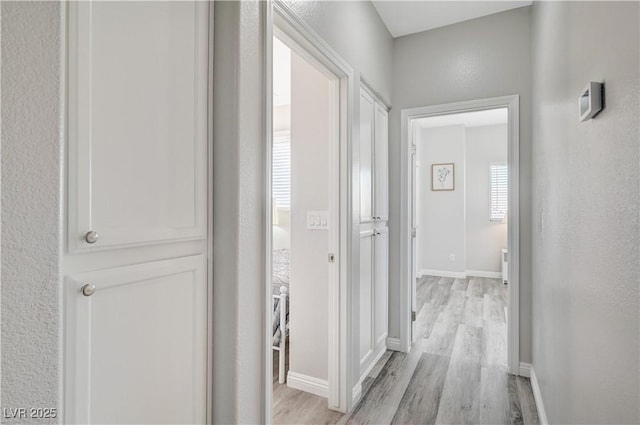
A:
x: 456, y: 373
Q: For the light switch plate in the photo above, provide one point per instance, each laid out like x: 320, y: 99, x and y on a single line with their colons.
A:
x: 318, y: 220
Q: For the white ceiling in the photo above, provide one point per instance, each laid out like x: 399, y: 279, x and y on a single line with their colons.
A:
x: 468, y: 119
x: 408, y: 17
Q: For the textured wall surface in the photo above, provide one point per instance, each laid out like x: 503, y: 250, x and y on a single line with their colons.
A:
x: 485, y: 57
x: 239, y: 257
x: 31, y: 199
x: 586, y: 256
x: 356, y: 32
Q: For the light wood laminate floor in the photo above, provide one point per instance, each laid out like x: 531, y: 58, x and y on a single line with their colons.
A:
x: 456, y: 373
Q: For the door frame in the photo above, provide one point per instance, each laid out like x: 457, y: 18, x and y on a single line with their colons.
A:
x: 280, y: 19
x: 512, y: 103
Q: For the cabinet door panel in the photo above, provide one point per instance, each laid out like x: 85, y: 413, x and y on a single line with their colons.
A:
x: 136, y: 348
x: 366, y: 294
x: 366, y: 157
x: 381, y: 285
x: 381, y: 163
x: 137, y: 122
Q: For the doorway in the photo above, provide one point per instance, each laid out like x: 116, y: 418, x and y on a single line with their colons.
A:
x: 319, y: 366
x: 440, y: 175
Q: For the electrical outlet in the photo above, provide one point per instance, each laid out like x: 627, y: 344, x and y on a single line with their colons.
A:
x: 452, y: 257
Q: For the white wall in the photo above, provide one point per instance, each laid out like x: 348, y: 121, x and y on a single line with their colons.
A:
x: 311, y: 95
x: 485, y: 57
x: 441, y: 213
x: 485, y: 239
x: 586, y: 256
x: 31, y: 206
x: 356, y: 32
x: 458, y: 222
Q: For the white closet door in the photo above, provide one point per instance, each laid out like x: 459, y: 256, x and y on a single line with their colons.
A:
x: 381, y: 277
x: 381, y: 156
x: 366, y: 157
x: 137, y: 122
x: 136, y: 347
x: 366, y: 294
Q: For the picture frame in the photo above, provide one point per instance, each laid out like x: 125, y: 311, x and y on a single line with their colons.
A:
x: 443, y: 177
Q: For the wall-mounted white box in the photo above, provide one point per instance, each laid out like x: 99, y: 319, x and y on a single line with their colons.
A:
x: 317, y: 220
x: 590, y: 101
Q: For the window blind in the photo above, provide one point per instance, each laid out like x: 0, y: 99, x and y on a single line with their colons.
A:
x: 282, y: 171
x: 499, y: 191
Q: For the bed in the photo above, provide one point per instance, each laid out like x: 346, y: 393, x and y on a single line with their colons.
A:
x: 280, y: 315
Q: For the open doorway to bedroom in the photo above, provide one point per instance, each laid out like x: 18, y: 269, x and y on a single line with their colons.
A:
x: 460, y: 256
x: 305, y: 232
x: 460, y: 201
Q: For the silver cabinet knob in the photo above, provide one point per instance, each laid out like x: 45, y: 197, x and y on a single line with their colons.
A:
x: 88, y: 289
x: 91, y: 237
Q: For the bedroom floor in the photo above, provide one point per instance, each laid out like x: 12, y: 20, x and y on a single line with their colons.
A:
x: 456, y: 372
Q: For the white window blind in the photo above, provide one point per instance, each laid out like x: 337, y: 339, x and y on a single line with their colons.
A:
x: 499, y: 191
x: 282, y: 171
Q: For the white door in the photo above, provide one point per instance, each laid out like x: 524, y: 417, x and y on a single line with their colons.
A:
x: 366, y: 294
x: 137, y: 122
x: 366, y: 157
x: 136, y: 349
x: 381, y: 277
x: 137, y: 345
x: 381, y: 158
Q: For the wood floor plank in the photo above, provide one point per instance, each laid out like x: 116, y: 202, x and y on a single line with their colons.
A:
x: 493, y: 309
x: 515, y: 413
x: 527, y: 402
x: 442, y: 337
x: 494, y: 344
x: 383, y: 398
x: 476, y: 287
x: 419, y: 404
x: 472, y: 315
x: 455, y: 305
x: 426, y: 319
x: 494, y: 396
x: 460, y: 284
x: 460, y: 402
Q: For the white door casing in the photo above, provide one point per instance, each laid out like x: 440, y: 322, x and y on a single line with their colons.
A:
x: 381, y: 159
x: 136, y: 347
x: 137, y: 126
x: 407, y: 214
x: 366, y: 298
x: 366, y: 145
x: 381, y: 290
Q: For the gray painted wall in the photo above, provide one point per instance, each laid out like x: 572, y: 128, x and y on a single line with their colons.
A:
x: 586, y: 268
x: 356, y: 32
x: 485, y: 57
x: 31, y: 200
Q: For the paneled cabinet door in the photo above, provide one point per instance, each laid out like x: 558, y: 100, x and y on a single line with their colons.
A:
x: 381, y: 155
x: 381, y: 277
x: 137, y: 114
x: 366, y: 157
x: 136, y: 346
x: 366, y: 294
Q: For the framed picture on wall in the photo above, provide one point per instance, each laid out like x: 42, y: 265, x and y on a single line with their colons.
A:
x: 443, y: 177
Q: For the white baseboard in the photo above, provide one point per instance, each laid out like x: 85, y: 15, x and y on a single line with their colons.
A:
x: 525, y: 370
x: 393, y: 344
x: 309, y: 384
x: 442, y: 273
x: 481, y: 273
x: 537, y: 396
x: 460, y: 275
x: 356, y: 394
